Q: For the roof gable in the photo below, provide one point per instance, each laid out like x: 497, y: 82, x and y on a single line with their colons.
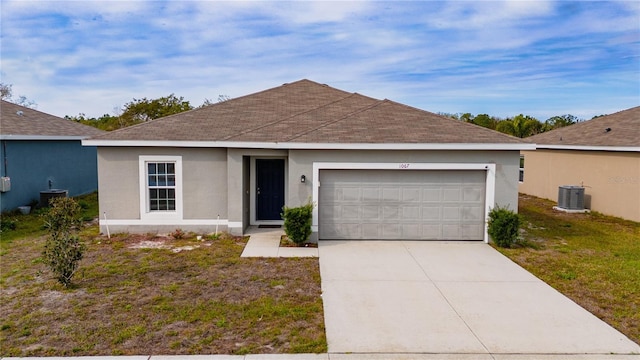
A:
x: 621, y: 129
x: 22, y: 122
x: 308, y: 112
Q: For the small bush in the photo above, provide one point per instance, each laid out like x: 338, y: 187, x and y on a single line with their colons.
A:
x: 7, y: 224
x: 503, y: 226
x: 63, y: 249
x: 178, y: 234
x: 297, y: 222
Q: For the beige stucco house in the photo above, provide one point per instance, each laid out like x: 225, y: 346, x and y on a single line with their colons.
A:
x: 375, y: 169
x: 602, y: 154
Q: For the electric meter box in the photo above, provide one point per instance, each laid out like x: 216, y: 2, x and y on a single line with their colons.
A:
x: 5, y: 184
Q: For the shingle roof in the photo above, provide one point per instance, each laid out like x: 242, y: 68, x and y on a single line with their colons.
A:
x: 16, y: 120
x: 624, y: 131
x: 308, y: 112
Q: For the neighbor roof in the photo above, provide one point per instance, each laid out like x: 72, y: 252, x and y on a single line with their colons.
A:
x: 23, y: 123
x: 621, y: 129
x: 306, y: 112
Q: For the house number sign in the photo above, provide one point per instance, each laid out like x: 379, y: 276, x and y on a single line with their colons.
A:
x: 404, y: 165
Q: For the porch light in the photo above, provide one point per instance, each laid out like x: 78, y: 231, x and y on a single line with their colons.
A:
x: 303, y: 179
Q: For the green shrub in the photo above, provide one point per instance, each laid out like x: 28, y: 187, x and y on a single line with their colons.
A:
x: 504, y: 225
x: 63, y: 249
x: 7, y: 224
x: 297, y: 222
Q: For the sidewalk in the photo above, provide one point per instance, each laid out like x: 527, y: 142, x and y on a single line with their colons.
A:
x: 350, y: 356
x: 266, y: 243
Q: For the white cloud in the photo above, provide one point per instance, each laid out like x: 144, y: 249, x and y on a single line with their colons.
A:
x: 90, y: 56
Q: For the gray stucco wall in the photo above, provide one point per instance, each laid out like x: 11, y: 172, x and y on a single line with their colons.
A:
x: 31, y: 164
x: 204, y: 184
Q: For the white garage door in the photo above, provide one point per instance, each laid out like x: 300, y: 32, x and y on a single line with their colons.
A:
x: 394, y: 204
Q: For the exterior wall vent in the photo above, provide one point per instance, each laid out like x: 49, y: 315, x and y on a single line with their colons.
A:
x: 571, y: 197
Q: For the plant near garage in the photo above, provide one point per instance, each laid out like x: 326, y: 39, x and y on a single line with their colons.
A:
x: 503, y: 226
x: 297, y: 222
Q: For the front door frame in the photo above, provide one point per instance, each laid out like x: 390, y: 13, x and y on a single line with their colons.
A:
x: 253, y: 196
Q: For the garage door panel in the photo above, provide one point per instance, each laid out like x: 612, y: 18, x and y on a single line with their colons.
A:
x: 388, y: 204
x: 351, y: 193
x: 473, y: 194
x: 451, y: 231
x: 371, y: 212
x: 411, y: 213
x: 472, y: 232
x: 431, y: 213
x: 350, y: 212
x: 390, y: 213
x: 432, y: 194
x: 451, y: 213
x: 371, y: 194
x: 390, y: 194
x: 473, y: 213
x: 411, y: 194
x: 451, y: 194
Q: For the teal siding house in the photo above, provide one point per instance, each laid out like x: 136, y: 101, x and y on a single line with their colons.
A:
x: 42, y: 152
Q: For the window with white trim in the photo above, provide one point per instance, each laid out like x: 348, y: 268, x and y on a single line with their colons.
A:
x: 160, y: 187
x: 161, y: 184
x: 521, y: 179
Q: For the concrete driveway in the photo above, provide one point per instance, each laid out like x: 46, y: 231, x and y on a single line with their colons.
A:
x: 449, y: 298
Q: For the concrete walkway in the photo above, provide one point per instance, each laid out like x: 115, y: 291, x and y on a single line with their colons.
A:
x: 450, y: 298
x: 265, y: 242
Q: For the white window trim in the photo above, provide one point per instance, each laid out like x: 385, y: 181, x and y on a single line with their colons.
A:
x: 145, y: 214
x: 490, y: 189
x: 521, y: 169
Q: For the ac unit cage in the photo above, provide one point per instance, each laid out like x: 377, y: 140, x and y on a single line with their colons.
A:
x: 571, y: 197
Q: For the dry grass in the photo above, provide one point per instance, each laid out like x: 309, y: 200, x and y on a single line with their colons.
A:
x: 591, y: 258
x: 131, y: 299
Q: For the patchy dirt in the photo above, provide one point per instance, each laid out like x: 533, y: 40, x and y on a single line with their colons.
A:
x: 137, y: 294
x: 150, y: 244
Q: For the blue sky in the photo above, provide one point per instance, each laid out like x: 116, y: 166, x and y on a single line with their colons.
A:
x: 539, y: 58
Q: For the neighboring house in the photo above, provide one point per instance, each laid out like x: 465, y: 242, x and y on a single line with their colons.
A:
x: 602, y: 154
x: 40, y: 152
x: 375, y: 169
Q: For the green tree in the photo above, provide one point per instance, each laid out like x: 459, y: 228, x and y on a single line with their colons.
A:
x: 105, y: 122
x: 141, y: 110
x: 63, y: 248
x: 135, y: 112
x: 485, y: 120
x: 520, y: 126
x: 556, y: 122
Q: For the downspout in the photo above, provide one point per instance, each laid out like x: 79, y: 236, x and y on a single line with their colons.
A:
x: 4, y: 152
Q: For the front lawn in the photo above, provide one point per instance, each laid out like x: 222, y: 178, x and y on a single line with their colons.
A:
x: 591, y: 258
x: 142, y: 294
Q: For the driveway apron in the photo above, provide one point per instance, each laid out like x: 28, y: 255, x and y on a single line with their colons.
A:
x: 448, y: 298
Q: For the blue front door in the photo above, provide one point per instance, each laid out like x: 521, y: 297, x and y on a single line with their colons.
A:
x: 269, y: 189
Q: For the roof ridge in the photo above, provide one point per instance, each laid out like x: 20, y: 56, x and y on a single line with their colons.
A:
x: 261, y: 126
x: 368, y: 107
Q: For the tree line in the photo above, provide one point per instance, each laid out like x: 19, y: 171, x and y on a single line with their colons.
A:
x: 141, y: 110
x: 519, y: 126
